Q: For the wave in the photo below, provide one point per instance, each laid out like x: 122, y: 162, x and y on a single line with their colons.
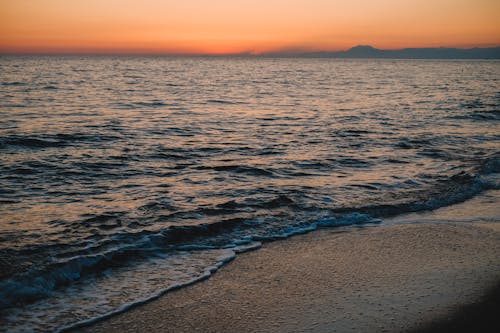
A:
x: 228, y: 256
x: 235, y: 224
x: 36, y: 285
x: 486, y: 115
x: 240, y: 169
x: 151, y: 104
x: 220, y: 101
x: 228, y: 232
x: 30, y: 142
x: 52, y: 140
x: 413, y: 143
x: 483, y: 115
x: 14, y: 83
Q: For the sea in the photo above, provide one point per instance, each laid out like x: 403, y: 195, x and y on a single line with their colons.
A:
x: 125, y: 177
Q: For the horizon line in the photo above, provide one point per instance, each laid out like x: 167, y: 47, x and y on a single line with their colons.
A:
x: 250, y: 53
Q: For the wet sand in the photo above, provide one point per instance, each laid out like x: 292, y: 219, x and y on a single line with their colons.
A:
x: 374, y: 279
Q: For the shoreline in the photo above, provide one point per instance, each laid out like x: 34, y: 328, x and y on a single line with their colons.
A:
x: 386, y: 278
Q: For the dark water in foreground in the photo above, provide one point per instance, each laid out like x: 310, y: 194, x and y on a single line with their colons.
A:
x: 124, y: 177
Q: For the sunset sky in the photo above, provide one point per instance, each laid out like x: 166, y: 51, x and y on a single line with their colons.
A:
x: 236, y: 26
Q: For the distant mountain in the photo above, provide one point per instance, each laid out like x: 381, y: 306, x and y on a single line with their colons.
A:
x: 366, y: 51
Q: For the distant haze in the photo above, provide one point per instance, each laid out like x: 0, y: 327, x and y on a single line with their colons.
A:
x: 366, y: 51
x: 243, y: 26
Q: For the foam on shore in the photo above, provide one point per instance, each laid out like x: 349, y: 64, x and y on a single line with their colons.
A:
x: 382, y: 279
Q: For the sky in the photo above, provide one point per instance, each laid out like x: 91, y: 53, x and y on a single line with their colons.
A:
x: 243, y: 26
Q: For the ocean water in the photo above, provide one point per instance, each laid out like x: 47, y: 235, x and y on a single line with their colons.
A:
x: 124, y: 177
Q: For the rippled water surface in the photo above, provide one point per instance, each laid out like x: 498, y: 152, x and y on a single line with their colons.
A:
x: 125, y: 177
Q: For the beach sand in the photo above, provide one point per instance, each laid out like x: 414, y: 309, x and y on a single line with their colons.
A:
x: 373, y: 279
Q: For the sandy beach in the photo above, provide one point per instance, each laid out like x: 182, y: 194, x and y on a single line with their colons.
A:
x: 373, y: 279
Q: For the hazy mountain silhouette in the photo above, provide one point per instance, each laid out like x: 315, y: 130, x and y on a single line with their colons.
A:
x: 366, y: 51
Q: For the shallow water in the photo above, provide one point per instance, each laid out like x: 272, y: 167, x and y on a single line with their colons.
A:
x: 122, y: 177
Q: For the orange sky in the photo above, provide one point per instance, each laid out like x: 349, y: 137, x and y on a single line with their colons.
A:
x: 234, y: 26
